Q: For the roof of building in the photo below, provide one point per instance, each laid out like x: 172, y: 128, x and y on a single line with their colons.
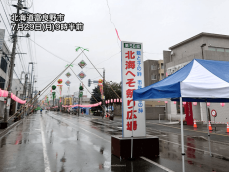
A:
x: 198, y: 36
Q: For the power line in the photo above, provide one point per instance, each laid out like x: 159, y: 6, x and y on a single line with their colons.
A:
x: 108, y: 58
x: 5, y: 24
x: 20, y: 57
x: 5, y: 12
x: 49, y: 51
x: 18, y: 77
x: 7, y: 8
x: 113, y: 24
x: 104, y: 60
x: 7, y: 28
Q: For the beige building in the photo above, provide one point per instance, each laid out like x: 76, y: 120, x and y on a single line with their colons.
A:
x: 154, y: 72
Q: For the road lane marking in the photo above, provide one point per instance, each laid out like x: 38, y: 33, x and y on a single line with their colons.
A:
x: 46, y: 160
x: 201, y: 150
x: 86, y: 130
x: 177, y: 133
x: 189, y: 129
x: 154, y: 163
x: 146, y: 159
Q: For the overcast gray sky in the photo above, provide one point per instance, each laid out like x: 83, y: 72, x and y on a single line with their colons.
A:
x: 158, y: 24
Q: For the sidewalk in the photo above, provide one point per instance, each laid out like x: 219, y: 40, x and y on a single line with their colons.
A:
x: 9, y: 124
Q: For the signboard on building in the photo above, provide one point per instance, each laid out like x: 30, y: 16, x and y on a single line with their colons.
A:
x: 2, y: 35
x: 133, y: 119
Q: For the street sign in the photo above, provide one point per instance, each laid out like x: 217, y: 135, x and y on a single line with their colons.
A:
x: 133, y: 120
x: 213, y: 113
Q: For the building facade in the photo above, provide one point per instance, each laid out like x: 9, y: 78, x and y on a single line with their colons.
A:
x: 153, y: 72
x: 17, y: 89
x: 4, y: 68
x: 206, y: 46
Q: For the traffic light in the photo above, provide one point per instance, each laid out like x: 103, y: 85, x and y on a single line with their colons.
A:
x: 81, y: 94
x: 89, y: 82
x: 81, y: 88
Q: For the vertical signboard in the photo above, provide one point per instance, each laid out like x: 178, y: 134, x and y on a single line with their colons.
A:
x: 2, y: 35
x: 133, y: 119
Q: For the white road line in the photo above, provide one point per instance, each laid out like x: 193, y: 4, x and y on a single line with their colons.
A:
x: 146, y: 159
x: 86, y: 130
x: 46, y: 160
x: 154, y: 163
x: 202, y: 150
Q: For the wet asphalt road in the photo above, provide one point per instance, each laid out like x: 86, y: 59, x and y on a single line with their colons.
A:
x: 61, y: 142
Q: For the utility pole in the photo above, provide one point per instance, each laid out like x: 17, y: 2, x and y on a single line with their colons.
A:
x: 14, y: 36
x: 79, y: 101
x: 3, y: 124
x: 103, y: 97
x: 24, y: 90
x: 33, y: 85
x: 31, y: 78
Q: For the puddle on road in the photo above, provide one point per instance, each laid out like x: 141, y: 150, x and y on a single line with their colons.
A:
x: 196, y: 160
x: 200, y: 138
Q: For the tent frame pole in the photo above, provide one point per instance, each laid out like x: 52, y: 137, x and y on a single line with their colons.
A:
x: 209, y: 140
x: 132, y: 132
x: 182, y: 134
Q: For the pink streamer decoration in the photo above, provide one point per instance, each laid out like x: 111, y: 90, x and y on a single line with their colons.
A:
x: 15, y: 98
x: 117, y: 34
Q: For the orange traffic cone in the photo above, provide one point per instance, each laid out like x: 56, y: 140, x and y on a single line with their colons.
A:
x: 194, y: 125
x: 227, y: 127
x: 209, y: 126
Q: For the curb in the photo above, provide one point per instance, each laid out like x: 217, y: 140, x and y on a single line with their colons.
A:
x: 7, y: 130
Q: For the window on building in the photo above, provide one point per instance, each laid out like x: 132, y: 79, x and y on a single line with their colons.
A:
x: 178, y: 108
x: 2, y: 83
x: 220, y: 49
x: 153, y: 77
x: 3, y: 64
x: 162, y: 65
x: 227, y: 50
x: 153, y: 67
x: 211, y: 48
x: 162, y: 76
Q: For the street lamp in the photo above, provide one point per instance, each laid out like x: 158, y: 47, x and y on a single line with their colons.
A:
x: 203, y: 45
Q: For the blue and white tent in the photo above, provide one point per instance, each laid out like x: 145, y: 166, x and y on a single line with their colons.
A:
x: 198, y: 81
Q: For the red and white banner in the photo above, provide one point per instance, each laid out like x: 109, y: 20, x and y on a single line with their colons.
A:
x: 132, y: 79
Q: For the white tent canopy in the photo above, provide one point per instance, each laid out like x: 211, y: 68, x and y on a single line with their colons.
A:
x: 198, y: 81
